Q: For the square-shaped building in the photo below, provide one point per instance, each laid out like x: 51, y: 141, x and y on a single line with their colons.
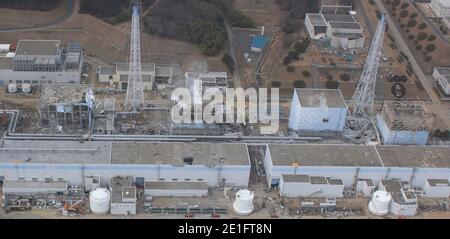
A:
x: 318, y: 110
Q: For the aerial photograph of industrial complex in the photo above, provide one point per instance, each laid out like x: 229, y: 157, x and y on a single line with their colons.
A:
x: 225, y: 109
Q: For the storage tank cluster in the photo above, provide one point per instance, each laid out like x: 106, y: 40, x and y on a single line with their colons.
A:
x: 243, y: 204
x: 379, y: 205
x: 99, y: 201
x: 14, y: 88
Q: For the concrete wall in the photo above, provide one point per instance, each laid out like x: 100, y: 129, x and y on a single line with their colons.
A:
x: 38, y: 77
x: 400, y: 137
x: 312, y: 118
x: 123, y: 208
x: 302, y: 189
x: 234, y: 175
x: 436, y: 191
x: 176, y: 193
x: 346, y: 43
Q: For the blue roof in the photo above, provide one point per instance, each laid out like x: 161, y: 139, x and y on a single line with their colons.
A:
x: 259, y: 42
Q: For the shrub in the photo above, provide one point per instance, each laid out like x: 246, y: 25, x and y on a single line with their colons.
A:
x: 410, y: 37
x: 428, y: 58
x: 421, y: 36
x: 404, y: 5
x: 290, y: 69
x: 430, y: 48
x: 431, y: 38
x: 395, y: 3
x: 404, y: 13
x: 331, y: 84
x: 419, y: 47
x: 306, y: 74
x: 299, y: 84
x: 413, y: 15
x: 422, y: 25
x: 412, y: 23
x: 345, y: 77
x: 330, y: 77
x: 276, y: 83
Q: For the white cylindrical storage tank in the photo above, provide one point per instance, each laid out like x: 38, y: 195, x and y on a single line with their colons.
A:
x: 12, y: 88
x: 379, y: 205
x: 26, y: 88
x: 99, y: 201
x: 243, y: 204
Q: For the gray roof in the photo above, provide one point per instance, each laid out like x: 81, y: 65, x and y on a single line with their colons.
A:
x: 345, y: 25
x: 438, y: 182
x: 296, y: 178
x: 323, y: 155
x: 35, y: 184
x: 321, y: 98
x: 444, y: 72
x: 175, y: 153
x: 360, y: 155
x: 316, y: 19
x: 146, y: 67
x: 107, y: 70
x: 62, y: 152
x: 348, y: 35
x: 339, y: 18
x: 415, y: 156
x: 176, y: 185
x: 163, y: 71
x: 38, y: 48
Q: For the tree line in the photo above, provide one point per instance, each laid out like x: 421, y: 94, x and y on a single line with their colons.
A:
x: 39, y: 5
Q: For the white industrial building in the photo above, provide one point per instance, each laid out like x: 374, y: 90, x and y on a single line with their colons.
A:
x: 316, y: 25
x: 341, y: 29
x: 404, y: 199
x: 345, y: 34
x: 117, y: 75
x: 404, y: 123
x: 414, y: 164
x: 441, y: 7
x: 300, y: 185
x: 215, y: 164
x: 176, y: 189
x: 365, y: 186
x: 317, y: 110
x: 38, y: 62
x: 123, y: 195
x: 436, y: 188
x: 442, y: 77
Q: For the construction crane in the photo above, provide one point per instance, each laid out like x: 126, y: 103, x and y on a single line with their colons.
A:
x: 134, y: 100
x: 359, y: 120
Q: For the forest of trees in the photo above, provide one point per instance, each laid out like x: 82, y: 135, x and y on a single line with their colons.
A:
x: 196, y: 21
x: 40, y: 5
x: 112, y: 11
x: 297, y: 12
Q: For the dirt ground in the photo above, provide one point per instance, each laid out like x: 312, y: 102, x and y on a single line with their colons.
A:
x: 439, y: 56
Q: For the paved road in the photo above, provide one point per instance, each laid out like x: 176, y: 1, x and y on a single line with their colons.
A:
x: 69, y: 11
x: 438, y: 107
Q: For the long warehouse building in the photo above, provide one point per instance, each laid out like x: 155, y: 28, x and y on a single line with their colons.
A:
x: 215, y: 164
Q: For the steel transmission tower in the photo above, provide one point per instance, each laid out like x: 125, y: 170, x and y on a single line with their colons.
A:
x: 363, y: 98
x: 134, y: 100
